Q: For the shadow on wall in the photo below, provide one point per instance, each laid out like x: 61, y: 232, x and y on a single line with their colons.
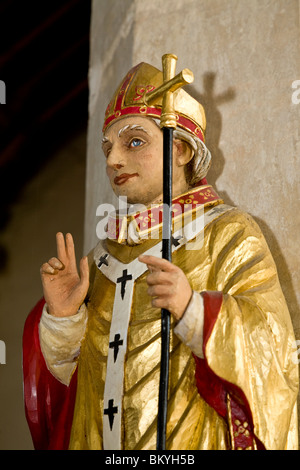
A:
x: 211, y: 102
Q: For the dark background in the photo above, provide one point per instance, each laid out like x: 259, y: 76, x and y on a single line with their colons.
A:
x: 44, y: 53
x: 44, y: 60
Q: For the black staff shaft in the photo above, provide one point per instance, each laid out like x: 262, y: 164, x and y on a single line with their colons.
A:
x: 165, y: 314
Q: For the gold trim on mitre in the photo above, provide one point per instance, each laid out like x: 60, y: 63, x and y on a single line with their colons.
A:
x: 129, y: 100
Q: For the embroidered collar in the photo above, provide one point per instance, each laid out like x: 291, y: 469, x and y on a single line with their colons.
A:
x: 134, y: 228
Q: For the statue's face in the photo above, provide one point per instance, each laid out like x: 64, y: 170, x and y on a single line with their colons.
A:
x: 133, y: 147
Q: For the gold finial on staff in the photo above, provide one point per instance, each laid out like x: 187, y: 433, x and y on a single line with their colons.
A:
x: 170, y: 85
x: 168, y: 116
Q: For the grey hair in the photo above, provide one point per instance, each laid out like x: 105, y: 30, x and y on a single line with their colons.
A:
x: 201, y: 161
x: 133, y: 126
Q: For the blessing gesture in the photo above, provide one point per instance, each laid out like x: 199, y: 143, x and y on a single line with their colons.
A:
x: 64, y: 289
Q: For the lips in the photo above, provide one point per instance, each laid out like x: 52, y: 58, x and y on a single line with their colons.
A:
x: 123, y: 178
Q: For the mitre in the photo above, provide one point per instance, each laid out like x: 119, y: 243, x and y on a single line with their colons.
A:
x: 130, y: 100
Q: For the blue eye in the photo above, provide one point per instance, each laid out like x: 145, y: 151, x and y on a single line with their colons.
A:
x: 136, y: 143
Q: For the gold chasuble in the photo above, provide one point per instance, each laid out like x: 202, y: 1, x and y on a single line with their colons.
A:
x: 241, y: 393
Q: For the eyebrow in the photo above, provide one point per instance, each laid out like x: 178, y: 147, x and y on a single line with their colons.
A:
x: 104, y: 140
x: 129, y: 127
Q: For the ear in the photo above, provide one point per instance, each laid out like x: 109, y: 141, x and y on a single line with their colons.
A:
x: 182, y: 152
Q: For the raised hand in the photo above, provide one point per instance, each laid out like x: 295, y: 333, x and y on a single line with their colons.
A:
x: 168, y: 285
x: 64, y: 290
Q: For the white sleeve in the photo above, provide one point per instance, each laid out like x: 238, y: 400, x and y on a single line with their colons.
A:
x: 190, y: 327
x: 60, y: 340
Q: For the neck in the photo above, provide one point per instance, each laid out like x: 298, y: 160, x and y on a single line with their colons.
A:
x: 177, y: 190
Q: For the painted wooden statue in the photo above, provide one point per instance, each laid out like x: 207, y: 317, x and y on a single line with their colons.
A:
x: 92, y: 344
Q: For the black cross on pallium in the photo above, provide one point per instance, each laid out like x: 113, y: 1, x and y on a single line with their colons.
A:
x: 175, y: 241
x: 115, y: 345
x: 103, y: 260
x: 123, y: 279
x: 110, y: 412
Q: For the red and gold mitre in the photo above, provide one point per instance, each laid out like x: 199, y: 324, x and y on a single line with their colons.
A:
x: 128, y: 100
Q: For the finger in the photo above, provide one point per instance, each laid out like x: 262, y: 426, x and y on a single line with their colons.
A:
x: 56, y: 263
x: 159, y: 290
x: 158, y: 277
x: 158, y: 263
x: 84, y: 272
x: 152, y: 269
x: 47, y: 269
x: 161, y: 302
x: 70, y: 249
x: 61, y: 247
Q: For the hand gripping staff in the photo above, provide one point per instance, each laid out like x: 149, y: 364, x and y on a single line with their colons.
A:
x: 168, y: 123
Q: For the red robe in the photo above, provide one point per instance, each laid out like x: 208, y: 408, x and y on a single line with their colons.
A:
x: 49, y: 405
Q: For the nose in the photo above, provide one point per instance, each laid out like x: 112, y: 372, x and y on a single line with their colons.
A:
x: 114, y: 160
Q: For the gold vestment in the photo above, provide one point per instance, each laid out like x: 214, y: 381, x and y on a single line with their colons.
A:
x: 250, y: 346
